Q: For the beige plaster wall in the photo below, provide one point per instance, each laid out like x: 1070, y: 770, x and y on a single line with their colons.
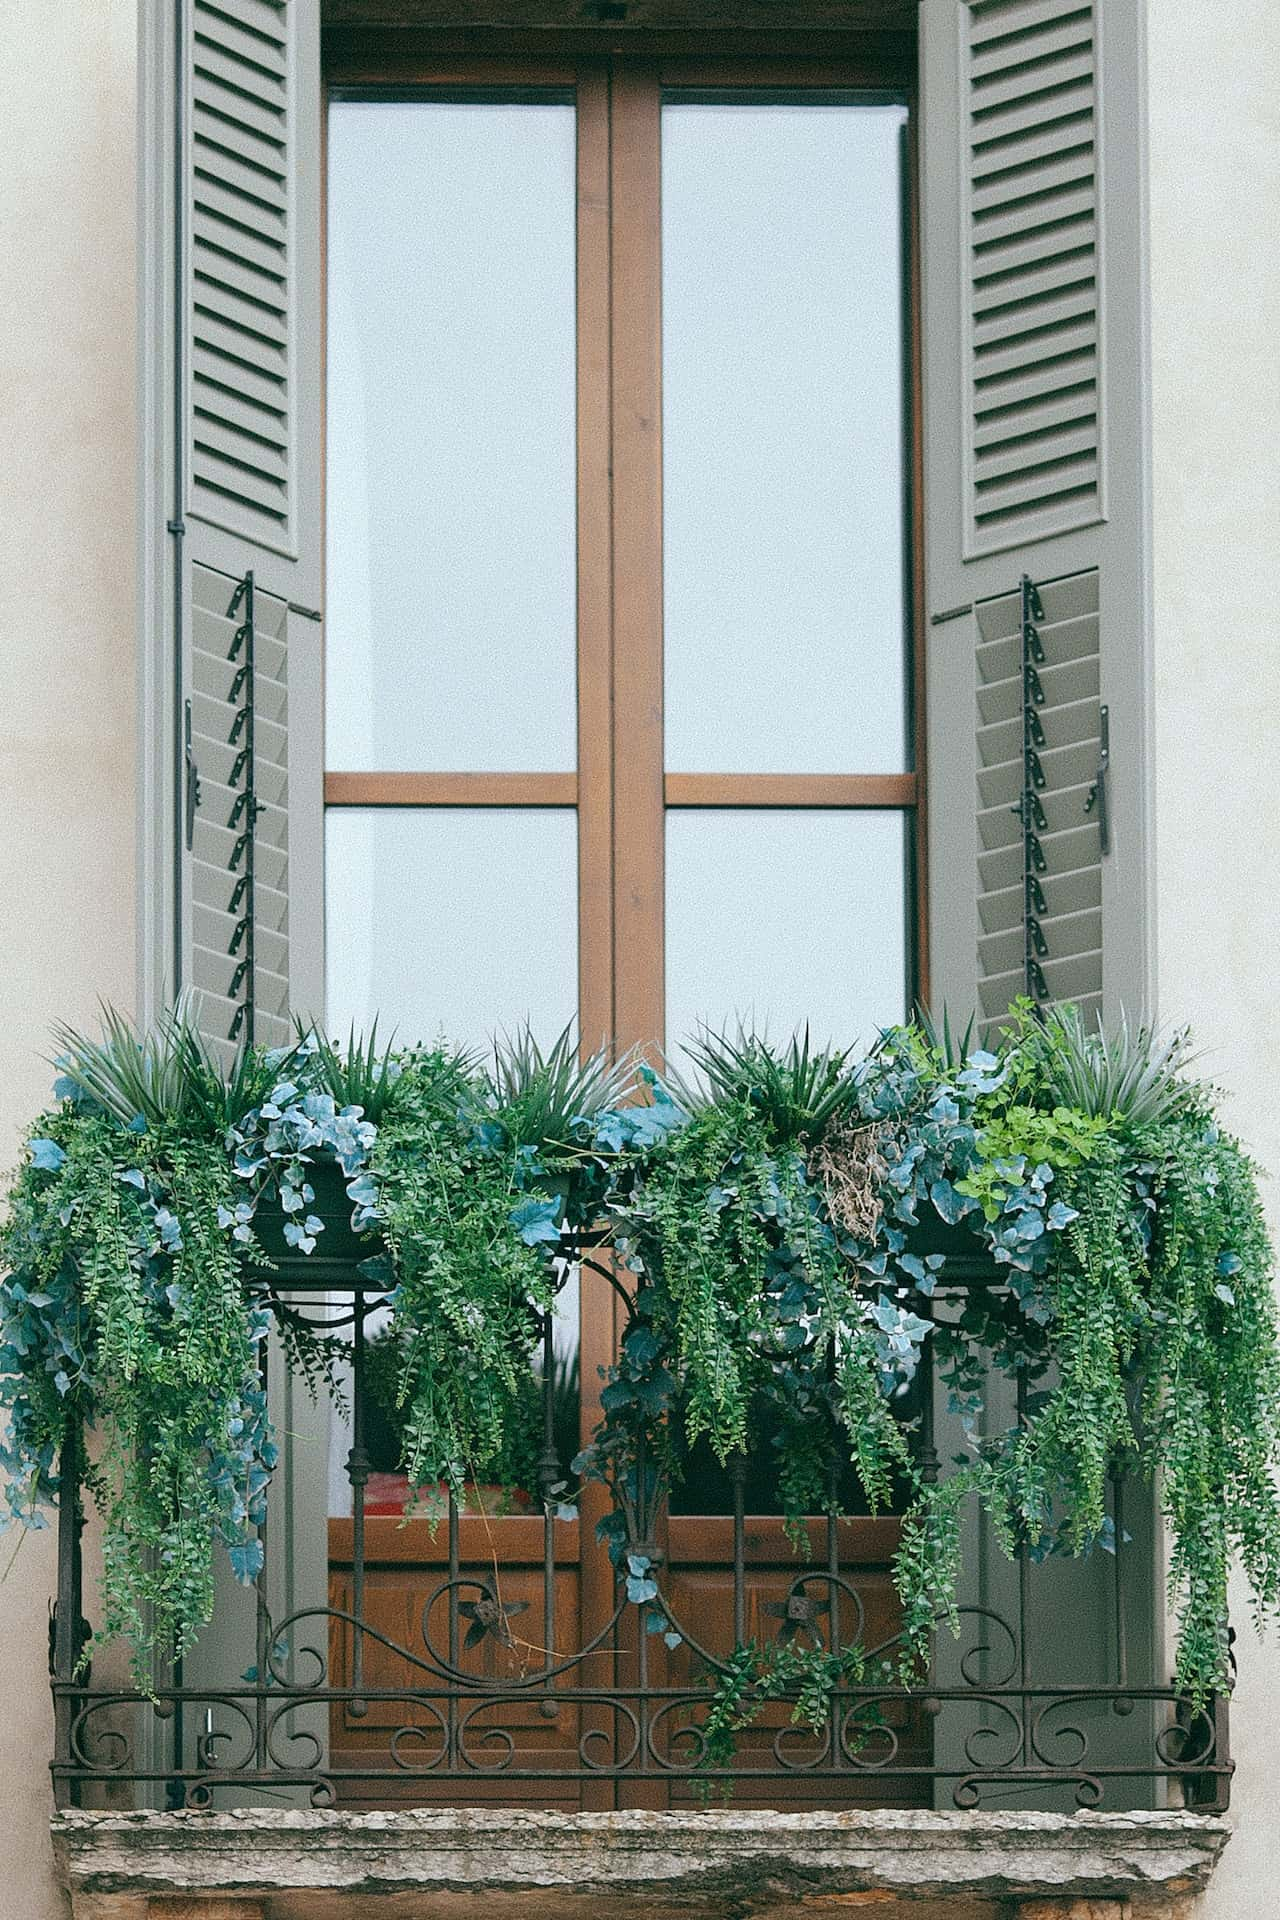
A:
x: 67, y: 730
x: 1215, y: 296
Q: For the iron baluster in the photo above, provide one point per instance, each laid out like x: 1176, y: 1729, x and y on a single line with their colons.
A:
x: 358, y: 1475
x: 454, y: 1631
x: 1024, y: 1600
x: 738, y: 1477
x: 66, y: 1617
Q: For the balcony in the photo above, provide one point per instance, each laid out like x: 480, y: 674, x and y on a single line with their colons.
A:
x: 493, y: 1659
x: 808, y: 1537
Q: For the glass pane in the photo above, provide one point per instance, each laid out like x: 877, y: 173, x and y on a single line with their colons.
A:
x: 451, y: 536
x: 783, y: 422
x: 782, y: 918
x: 459, y: 920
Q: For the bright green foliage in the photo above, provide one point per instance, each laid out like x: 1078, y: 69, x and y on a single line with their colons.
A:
x: 1019, y: 1135
x: 470, y: 1291
x: 805, y: 1673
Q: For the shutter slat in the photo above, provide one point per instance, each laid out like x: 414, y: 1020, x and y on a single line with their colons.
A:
x: 1007, y: 81
x: 1036, y: 248
x: 253, y: 51
x: 218, y: 266
x: 1000, y: 226
x: 1037, y: 146
x: 233, y: 444
x: 1058, y: 375
x: 1031, y: 352
x: 236, y: 480
x: 1004, y: 425
x: 260, y: 148
x: 1064, y: 267
x: 264, y: 226
x: 1041, y: 118
x: 1040, y: 316
x: 245, y: 349
x: 1037, y: 180
x: 258, y: 392
x: 221, y: 93
x: 258, y: 422
x: 1000, y: 19
x: 261, y: 195
x: 1008, y: 458
x: 1039, y: 488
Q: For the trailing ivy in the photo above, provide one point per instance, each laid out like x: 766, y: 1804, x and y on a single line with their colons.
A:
x: 784, y: 1222
x: 125, y: 1311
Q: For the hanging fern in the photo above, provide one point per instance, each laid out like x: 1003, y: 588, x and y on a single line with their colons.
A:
x: 781, y: 1225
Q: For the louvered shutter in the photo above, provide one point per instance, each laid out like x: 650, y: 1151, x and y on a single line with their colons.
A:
x: 1036, y: 537
x: 235, y: 268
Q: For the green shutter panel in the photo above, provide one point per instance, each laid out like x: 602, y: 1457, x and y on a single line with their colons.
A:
x: 235, y: 261
x: 1035, y: 471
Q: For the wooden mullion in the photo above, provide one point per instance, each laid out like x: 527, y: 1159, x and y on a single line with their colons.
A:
x: 636, y: 323
x: 451, y: 789
x: 595, y: 563
x: 842, y: 790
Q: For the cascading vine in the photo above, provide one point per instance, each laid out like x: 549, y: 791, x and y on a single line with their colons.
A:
x: 785, y: 1220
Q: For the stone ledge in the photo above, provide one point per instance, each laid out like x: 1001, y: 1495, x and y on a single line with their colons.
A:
x: 750, y: 1859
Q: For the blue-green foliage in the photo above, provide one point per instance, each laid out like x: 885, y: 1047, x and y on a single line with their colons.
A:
x: 785, y: 1227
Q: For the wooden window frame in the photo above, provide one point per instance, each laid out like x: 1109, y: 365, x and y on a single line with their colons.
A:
x: 621, y: 791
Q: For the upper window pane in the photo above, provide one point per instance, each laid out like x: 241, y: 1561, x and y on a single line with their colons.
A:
x: 450, y: 549
x: 783, y: 421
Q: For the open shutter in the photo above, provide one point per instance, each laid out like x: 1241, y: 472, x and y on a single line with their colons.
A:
x: 1036, y: 537
x: 235, y: 270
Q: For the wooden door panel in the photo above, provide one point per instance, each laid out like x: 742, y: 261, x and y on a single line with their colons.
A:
x: 405, y: 1586
x: 700, y: 1586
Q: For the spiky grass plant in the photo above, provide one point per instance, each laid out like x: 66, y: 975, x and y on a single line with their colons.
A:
x: 169, y: 1075
x: 799, y: 1090
x: 362, y: 1075
x: 536, y: 1097
x: 1132, y: 1072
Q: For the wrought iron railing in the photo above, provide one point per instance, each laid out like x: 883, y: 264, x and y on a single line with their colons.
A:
x: 511, y: 1660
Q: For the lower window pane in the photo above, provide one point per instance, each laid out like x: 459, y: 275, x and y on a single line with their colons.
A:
x: 458, y: 920
x: 778, y: 918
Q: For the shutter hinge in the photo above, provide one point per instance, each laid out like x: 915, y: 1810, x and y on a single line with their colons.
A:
x: 192, y: 778
x: 176, y: 527
x: 307, y: 613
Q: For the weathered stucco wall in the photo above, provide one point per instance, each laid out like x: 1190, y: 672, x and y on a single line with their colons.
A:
x: 67, y: 730
x: 1215, y: 298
